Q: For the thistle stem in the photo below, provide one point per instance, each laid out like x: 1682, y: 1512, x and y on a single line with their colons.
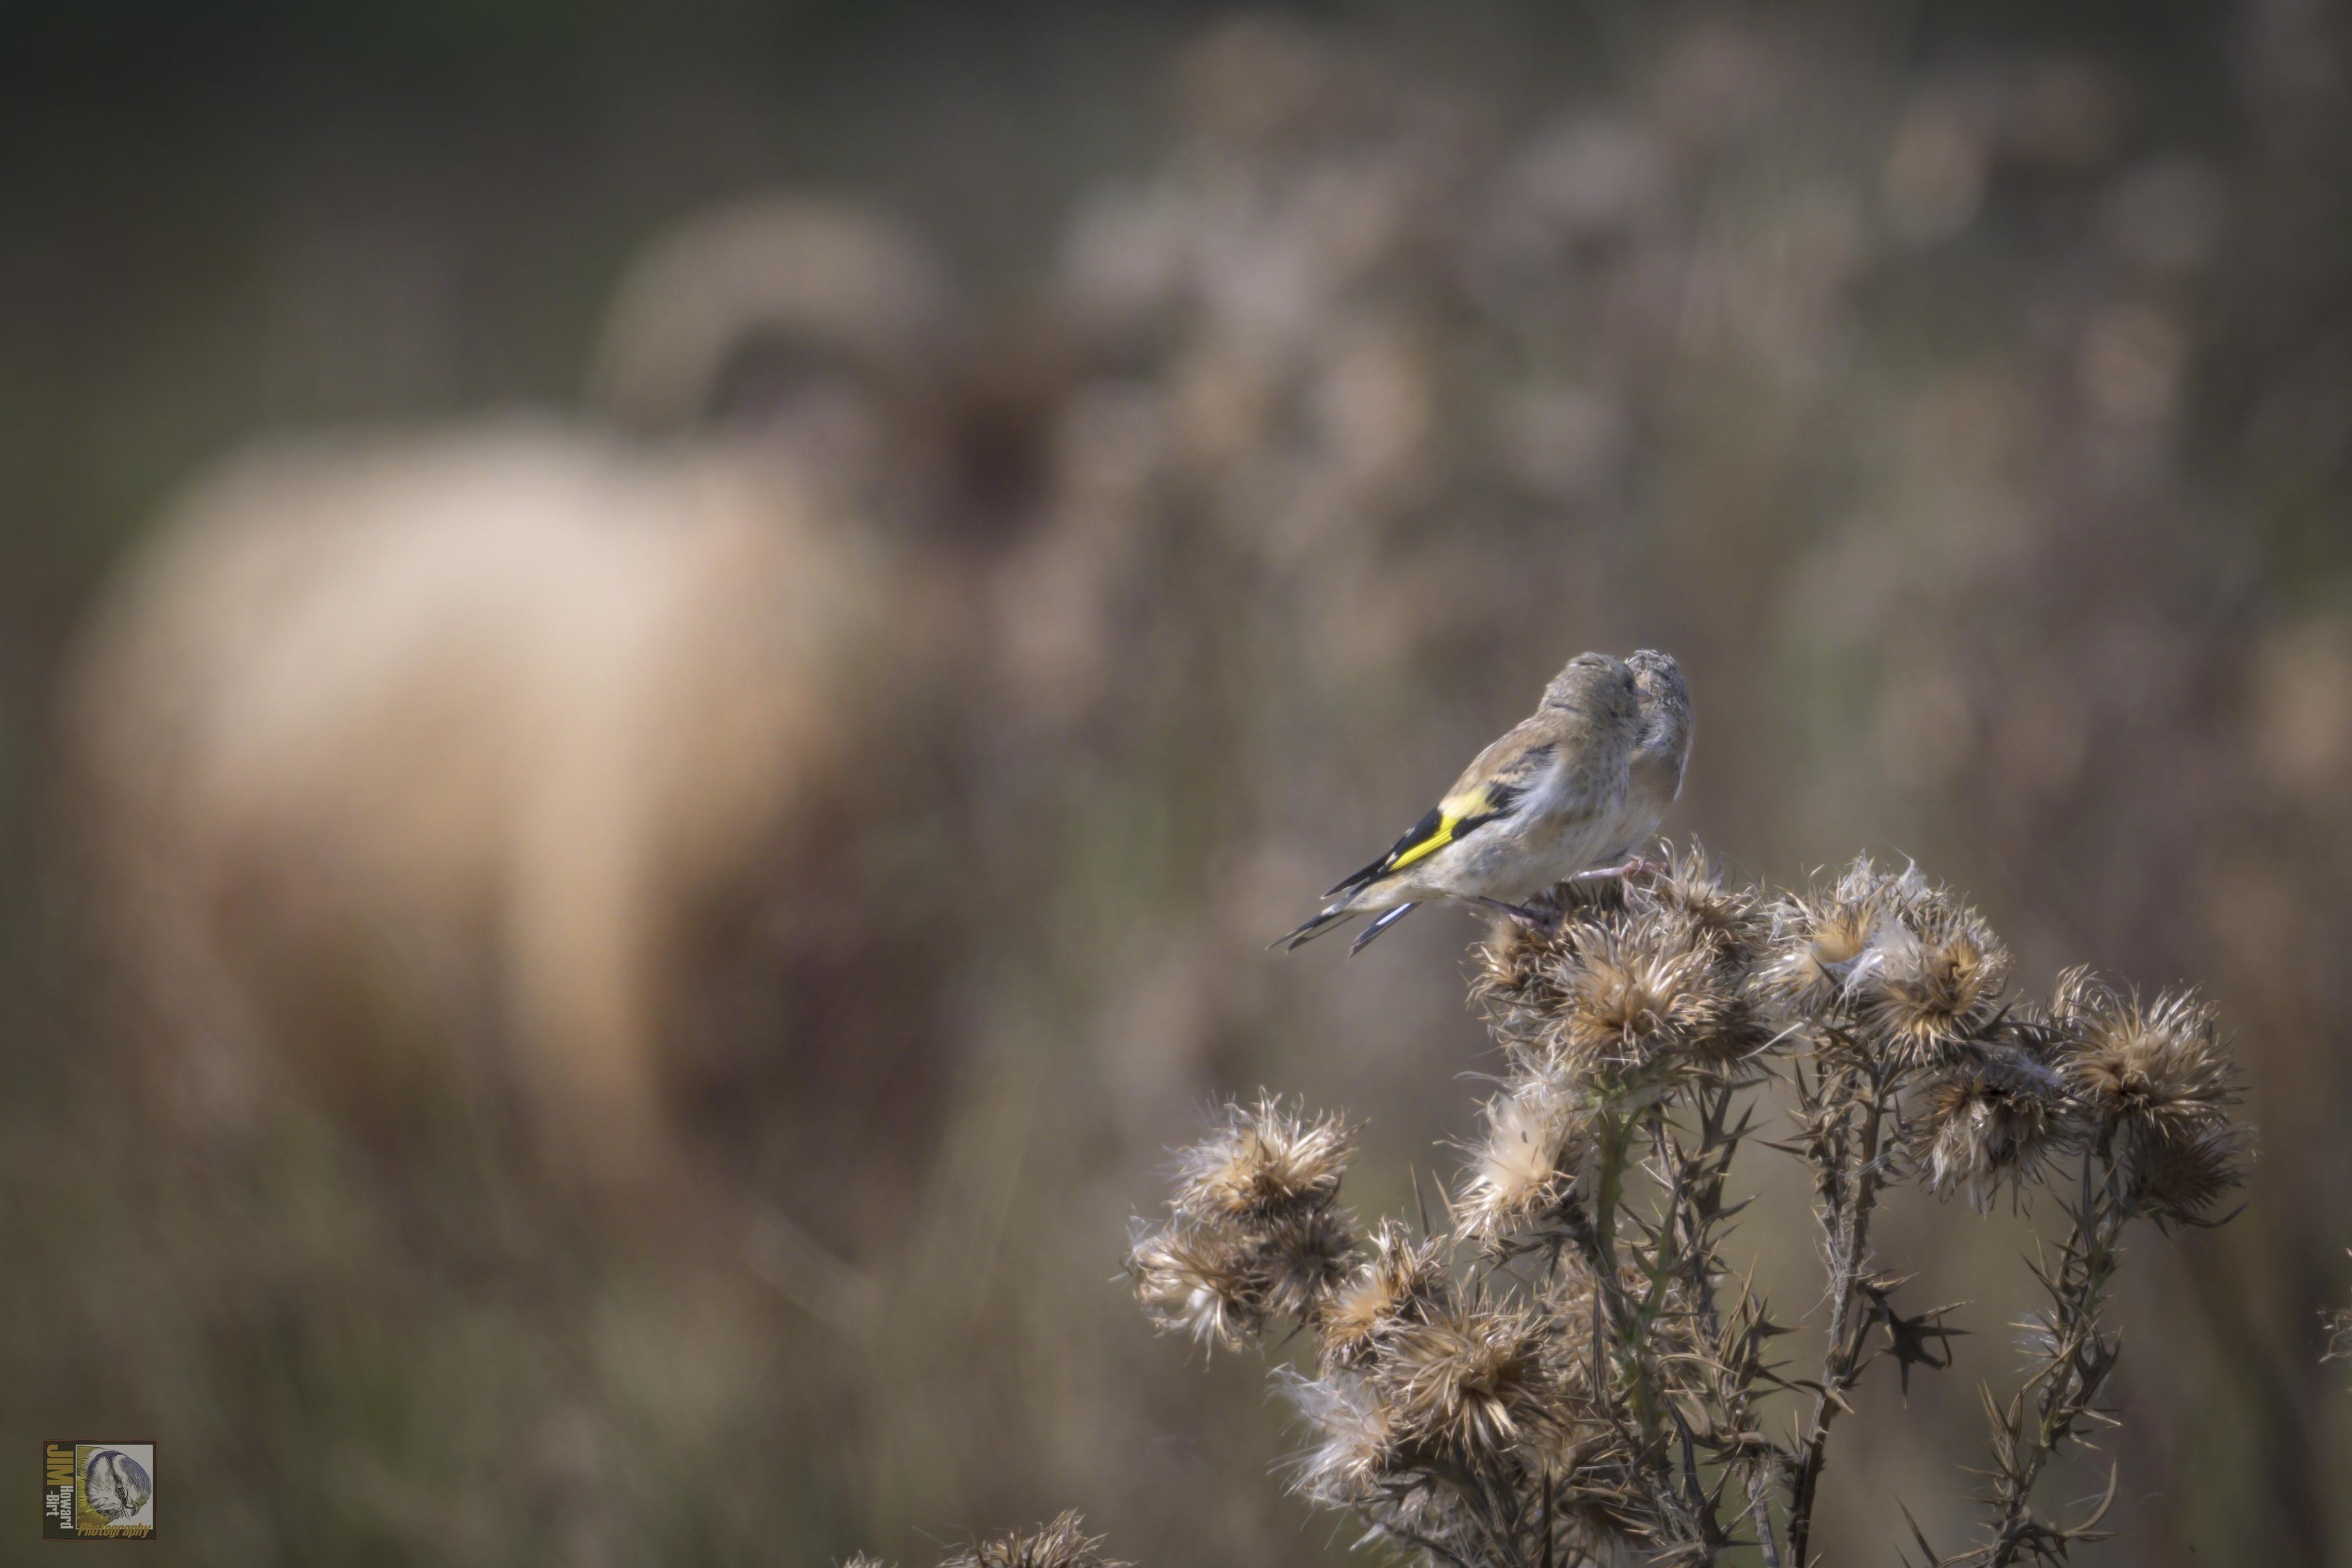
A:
x: 2068, y: 1382
x: 1700, y: 1205
x: 1760, y: 1514
x: 1847, y: 1223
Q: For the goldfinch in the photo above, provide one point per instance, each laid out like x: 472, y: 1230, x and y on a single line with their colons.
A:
x: 1655, y: 779
x: 1572, y: 788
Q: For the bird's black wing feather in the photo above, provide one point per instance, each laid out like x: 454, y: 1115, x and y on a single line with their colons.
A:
x: 1419, y: 832
x: 1438, y: 827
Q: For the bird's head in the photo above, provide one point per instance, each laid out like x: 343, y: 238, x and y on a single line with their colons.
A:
x: 1592, y: 682
x: 1659, y: 677
x: 1665, y: 703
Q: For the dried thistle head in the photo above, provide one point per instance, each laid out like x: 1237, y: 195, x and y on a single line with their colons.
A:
x: 1398, y: 1281
x: 1252, y: 1234
x: 1818, y: 939
x: 1703, y: 911
x: 1298, y: 1258
x: 1509, y: 961
x: 2339, y: 1323
x: 1474, y: 1380
x: 1063, y: 1543
x: 1634, y: 996
x: 2156, y: 1083
x: 1992, y: 1118
x: 2163, y: 1060
x: 1353, y: 1432
x: 1523, y: 968
x: 1519, y: 987
x: 1263, y: 1160
x: 1932, y: 977
x: 1200, y: 1282
x: 1528, y: 1161
x: 1222, y: 1284
x: 2171, y: 1172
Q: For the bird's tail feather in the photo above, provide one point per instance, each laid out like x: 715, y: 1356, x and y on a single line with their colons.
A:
x: 1376, y: 927
x: 1310, y: 930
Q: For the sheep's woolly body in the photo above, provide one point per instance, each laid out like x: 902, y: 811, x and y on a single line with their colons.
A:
x: 509, y: 690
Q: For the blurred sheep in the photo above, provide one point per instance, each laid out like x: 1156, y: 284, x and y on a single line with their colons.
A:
x: 396, y: 740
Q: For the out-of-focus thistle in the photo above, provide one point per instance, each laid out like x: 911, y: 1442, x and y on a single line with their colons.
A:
x: 1063, y: 1543
x: 2339, y: 1333
x: 1570, y: 1369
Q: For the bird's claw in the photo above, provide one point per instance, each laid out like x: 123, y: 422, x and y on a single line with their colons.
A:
x: 1623, y: 871
x: 1534, y: 919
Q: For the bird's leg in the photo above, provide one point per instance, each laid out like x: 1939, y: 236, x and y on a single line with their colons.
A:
x: 1525, y: 916
x: 1622, y: 870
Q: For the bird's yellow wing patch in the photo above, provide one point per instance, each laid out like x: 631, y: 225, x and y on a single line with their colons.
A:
x: 1452, y: 816
x: 1421, y: 845
x: 1445, y: 823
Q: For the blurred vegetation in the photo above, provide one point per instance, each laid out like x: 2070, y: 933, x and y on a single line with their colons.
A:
x: 1963, y: 392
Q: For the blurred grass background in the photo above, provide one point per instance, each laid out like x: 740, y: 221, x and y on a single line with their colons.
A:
x: 1963, y: 392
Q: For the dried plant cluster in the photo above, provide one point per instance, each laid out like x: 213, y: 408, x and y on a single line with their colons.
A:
x: 1571, y: 1369
x: 2339, y: 1333
x: 1063, y: 1543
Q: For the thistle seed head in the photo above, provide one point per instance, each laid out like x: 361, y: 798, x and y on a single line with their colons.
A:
x: 1932, y: 977
x: 1063, y: 1543
x: 2177, y: 1171
x: 1398, y: 1282
x: 1702, y: 912
x: 2155, y: 1081
x: 1634, y: 996
x: 1298, y: 1258
x: 1353, y: 1432
x: 1474, y: 1380
x: 1818, y: 939
x: 2160, y: 1062
x: 1263, y: 1161
x: 1528, y: 1164
x: 1994, y: 1118
x: 1200, y: 1282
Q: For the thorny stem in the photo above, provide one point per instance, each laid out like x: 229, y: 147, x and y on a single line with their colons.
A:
x: 1692, y: 1219
x: 1424, y: 1543
x: 1760, y: 1513
x: 2075, y: 1366
x: 1630, y: 1320
x: 1483, y: 1512
x: 1627, y: 1328
x: 1846, y: 1221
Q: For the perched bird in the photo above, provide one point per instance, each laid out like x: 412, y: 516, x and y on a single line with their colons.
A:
x: 1569, y: 792
x: 1655, y: 778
